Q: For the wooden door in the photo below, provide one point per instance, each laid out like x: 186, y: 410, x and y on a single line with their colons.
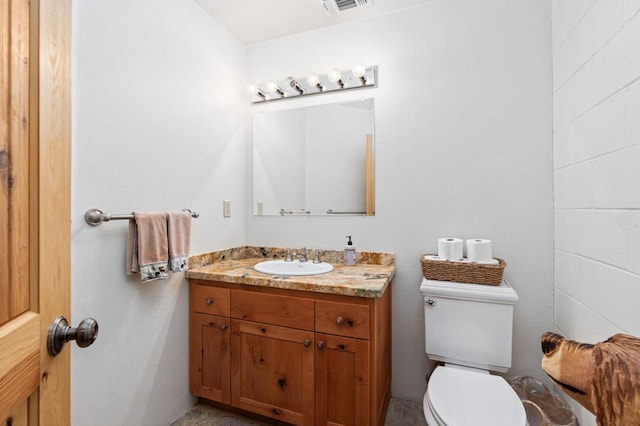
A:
x: 342, y: 380
x: 272, y: 371
x: 34, y: 208
x: 210, y: 348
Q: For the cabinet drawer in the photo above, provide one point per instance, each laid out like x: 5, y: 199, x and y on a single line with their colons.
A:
x: 209, y: 300
x: 286, y: 311
x: 342, y: 319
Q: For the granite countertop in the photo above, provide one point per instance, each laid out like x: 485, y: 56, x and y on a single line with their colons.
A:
x: 369, y: 277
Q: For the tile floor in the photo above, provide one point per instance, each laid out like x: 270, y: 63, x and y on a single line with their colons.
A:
x: 401, y: 412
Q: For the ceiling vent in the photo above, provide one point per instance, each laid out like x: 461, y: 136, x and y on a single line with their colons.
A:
x: 334, y: 7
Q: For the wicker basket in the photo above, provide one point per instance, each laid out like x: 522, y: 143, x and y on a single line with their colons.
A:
x: 462, y: 272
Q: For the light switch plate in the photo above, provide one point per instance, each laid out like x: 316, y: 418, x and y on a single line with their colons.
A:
x: 226, y: 208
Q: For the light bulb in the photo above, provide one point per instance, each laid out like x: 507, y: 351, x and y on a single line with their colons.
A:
x: 334, y: 75
x: 294, y: 85
x: 313, y: 79
x: 255, y: 91
x: 271, y: 86
x: 359, y: 71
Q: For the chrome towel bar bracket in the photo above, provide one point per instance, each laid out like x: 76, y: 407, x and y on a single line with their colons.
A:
x: 95, y: 217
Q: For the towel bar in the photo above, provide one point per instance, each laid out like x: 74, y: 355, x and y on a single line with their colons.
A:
x: 95, y: 217
x: 331, y: 211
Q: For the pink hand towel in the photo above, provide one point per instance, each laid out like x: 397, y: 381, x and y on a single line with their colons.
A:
x: 132, y: 248
x: 179, y: 230
x: 147, y: 246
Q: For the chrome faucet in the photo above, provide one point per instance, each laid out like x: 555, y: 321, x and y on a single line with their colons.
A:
x: 316, y: 256
x: 302, y: 257
x: 288, y: 257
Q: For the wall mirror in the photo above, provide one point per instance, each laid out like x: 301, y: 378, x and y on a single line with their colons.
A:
x: 316, y: 160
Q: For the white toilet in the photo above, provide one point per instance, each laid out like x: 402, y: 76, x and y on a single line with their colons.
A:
x: 469, y: 328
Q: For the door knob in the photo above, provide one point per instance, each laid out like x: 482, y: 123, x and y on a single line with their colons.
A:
x: 60, y: 333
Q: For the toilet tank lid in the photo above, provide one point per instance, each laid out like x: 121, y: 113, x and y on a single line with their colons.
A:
x: 502, y: 293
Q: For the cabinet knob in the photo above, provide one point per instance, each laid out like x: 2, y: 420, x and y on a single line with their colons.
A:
x: 320, y: 344
x: 339, y: 320
x: 209, y: 301
x: 224, y: 326
x: 306, y: 343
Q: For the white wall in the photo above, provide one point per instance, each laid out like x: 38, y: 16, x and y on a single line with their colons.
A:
x: 463, y: 149
x: 158, y: 124
x: 596, y: 156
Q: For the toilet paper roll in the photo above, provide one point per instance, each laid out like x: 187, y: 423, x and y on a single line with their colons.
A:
x: 450, y: 248
x: 433, y: 257
x: 480, y: 251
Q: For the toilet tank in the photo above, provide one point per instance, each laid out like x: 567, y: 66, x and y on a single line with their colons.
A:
x: 469, y: 324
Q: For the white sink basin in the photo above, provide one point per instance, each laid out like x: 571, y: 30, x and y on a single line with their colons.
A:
x: 280, y: 267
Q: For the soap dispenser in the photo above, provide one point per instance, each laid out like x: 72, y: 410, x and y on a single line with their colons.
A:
x: 349, y: 253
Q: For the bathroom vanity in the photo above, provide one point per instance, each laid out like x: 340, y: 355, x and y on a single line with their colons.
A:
x: 301, y: 349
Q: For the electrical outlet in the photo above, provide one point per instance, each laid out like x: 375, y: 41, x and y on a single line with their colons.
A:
x: 226, y: 208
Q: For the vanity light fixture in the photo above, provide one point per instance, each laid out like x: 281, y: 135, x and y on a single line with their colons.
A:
x: 358, y: 77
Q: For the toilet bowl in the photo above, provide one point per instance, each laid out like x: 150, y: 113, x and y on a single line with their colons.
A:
x: 468, y: 327
x: 458, y: 396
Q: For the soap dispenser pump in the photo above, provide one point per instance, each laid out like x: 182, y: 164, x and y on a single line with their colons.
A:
x: 349, y: 253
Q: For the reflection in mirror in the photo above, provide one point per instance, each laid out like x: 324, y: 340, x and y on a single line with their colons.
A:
x: 316, y: 160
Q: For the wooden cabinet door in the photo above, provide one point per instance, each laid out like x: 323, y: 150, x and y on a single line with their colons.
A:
x: 273, y: 371
x: 210, y: 355
x: 35, y: 213
x: 342, y: 380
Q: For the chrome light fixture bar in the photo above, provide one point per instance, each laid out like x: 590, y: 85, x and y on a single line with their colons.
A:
x: 335, y: 80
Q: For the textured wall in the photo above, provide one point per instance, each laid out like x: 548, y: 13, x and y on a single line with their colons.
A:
x: 158, y: 124
x: 596, y: 70
x: 463, y: 149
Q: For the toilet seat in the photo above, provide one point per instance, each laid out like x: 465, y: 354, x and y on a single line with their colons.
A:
x: 463, y: 397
